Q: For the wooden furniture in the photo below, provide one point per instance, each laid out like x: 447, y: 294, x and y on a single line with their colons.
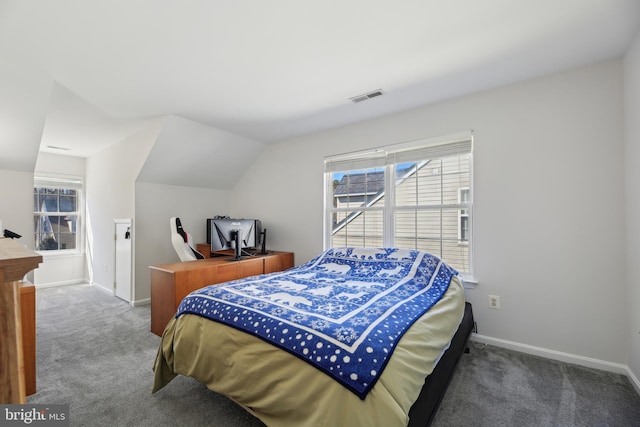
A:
x: 28, y: 316
x: 204, y: 249
x: 170, y: 283
x: 15, y: 261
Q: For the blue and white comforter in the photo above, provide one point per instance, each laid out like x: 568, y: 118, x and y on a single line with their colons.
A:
x: 343, y: 312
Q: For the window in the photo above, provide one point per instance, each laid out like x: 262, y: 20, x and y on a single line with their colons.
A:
x: 415, y: 196
x: 56, y: 213
x: 358, y: 201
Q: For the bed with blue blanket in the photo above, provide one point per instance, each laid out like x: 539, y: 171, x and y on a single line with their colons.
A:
x: 345, y: 339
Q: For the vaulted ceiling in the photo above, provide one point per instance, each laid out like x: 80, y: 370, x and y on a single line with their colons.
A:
x: 81, y: 75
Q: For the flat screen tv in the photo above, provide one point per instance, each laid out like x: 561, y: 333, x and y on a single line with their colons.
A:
x: 236, y: 234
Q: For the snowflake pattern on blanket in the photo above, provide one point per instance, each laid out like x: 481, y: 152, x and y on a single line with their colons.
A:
x: 343, y: 312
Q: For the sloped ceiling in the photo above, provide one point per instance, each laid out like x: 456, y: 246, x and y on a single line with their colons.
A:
x: 191, y: 154
x: 81, y: 74
x: 71, y: 122
x: 24, y: 99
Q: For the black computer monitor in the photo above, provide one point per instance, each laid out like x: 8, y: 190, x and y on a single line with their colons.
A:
x: 236, y: 234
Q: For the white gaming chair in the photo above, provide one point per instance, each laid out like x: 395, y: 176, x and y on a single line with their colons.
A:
x: 182, y: 242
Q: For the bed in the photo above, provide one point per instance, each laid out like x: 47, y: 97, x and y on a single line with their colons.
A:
x: 354, y: 337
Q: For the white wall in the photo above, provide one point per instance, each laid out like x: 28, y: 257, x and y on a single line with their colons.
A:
x: 110, y: 194
x: 632, y: 194
x: 281, y: 190
x: 155, y: 204
x: 67, y: 268
x: 61, y: 165
x: 16, y: 203
x: 549, y: 233
x: 16, y: 206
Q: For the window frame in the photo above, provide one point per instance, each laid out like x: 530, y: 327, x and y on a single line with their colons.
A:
x: 463, y: 213
x: 393, y: 156
x: 61, y: 182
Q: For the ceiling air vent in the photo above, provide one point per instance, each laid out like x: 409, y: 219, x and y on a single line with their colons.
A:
x: 366, y: 96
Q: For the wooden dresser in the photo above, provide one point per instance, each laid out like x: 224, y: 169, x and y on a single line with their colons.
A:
x: 170, y: 283
x: 28, y: 316
x: 15, y: 261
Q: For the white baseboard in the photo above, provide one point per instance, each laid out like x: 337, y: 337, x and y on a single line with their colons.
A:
x: 556, y: 355
x: 103, y: 288
x: 137, y: 303
x: 634, y: 380
x: 64, y: 283
x: 141, y: 302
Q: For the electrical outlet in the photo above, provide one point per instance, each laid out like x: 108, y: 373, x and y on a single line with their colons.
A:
x: 494, y: 302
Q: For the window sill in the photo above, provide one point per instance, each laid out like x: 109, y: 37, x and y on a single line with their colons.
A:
x: 60, y: 254
x: 469, y: 282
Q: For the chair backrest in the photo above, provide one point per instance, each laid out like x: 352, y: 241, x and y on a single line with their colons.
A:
x: 182, y: 242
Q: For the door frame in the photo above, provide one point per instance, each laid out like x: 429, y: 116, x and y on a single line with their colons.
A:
x: 129, y: 223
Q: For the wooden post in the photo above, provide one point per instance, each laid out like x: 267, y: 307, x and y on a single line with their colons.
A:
x: 15, y: 261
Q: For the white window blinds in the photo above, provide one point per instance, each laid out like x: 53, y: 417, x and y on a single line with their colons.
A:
x: 58, y: 181
x: 432, y: 148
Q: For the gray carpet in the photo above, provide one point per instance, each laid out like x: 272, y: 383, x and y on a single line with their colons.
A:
x: 497, y: 387
x: 95, y: 352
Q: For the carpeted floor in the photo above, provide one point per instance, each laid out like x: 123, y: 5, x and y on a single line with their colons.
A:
x: 95, y: 352
x: 497, y: 387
